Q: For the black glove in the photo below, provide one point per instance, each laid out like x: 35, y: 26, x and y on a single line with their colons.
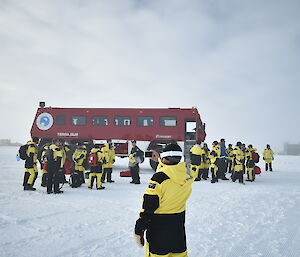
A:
x: 139, y: 230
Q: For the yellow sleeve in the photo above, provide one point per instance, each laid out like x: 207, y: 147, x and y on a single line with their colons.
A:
x: 131, y: 158
x: 154, y: 188
x: 30, y: 149
x: 100, y: 156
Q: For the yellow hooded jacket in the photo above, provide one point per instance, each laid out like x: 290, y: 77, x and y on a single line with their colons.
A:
x: 99, y: 154
x: 32, y: 153
x: 249, y: 152
x: 164, y: 203
x: 79, y: 156
x: 172, y: 185
x: 196, y: 153
x: 43, y: 155
x: 55, y: 157
x: 230, y: 153
x: 268, y: 155
x: 238, y: 157
x: 32, y: 150
x: 108, y: 155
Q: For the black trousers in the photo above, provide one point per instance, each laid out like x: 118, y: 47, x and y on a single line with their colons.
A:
x: 222, y: 168
x: 203, y: 173
x: 244, y: 166
x: 214, y: 176
x: 238, y: 175
x: 135, y: 174
x: 166, y: 234
x: 106, y: 172
x: 52, y: 183
x: 269, y: 165
x: 25, y: 180
x: 44, y: 179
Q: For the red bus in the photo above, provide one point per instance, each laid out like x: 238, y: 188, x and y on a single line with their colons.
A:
x: 152, y: 128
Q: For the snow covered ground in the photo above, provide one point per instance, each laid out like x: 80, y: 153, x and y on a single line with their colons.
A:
x: 223, y: 219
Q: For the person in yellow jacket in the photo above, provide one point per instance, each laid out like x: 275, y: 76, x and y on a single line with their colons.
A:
x: 31, y: 170
x: 230, y: 159
x: 109, y: 156
x: 214, y: 157
x: 268, y: 157
x: 163, y: 210
x: 96, y: 160
x: 196, y: 156
x: 54, y: 166
x: 205, y: 161
x: 44, y: 164
x: 243, y: 148
x: 79, y: 157
x: 238, y: 156
x: 250, y: 164
x: 65, y: 148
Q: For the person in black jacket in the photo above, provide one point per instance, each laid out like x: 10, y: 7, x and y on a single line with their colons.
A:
x: 55, y: 165
x: 134, y: 160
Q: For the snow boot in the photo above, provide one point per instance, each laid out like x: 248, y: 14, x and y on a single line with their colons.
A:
x: 29, y: 188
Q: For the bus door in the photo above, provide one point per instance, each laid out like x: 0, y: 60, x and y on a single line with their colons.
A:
x: 190, y: 130
x: 189, y: 137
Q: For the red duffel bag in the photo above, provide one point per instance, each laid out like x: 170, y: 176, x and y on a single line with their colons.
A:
x: 257, y: 170
x: 126, y: 173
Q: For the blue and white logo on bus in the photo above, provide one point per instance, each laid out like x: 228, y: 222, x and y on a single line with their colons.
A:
x: 44, y: 121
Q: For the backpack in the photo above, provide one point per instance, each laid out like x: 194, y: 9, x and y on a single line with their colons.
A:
x: 257, y: 170
x: 195, y: 159
x: 23, y: 152
x: 75, y: 180
x: 255, y: 157
x: 93, y: 159
x: 141, y: 156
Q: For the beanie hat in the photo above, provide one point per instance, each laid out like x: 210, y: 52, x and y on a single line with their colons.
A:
x: 172, y: 152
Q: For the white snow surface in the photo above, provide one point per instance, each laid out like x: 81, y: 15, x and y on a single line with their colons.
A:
x: 222, y: 219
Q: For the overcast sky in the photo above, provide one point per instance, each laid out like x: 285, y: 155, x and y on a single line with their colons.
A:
x: 237, y: 61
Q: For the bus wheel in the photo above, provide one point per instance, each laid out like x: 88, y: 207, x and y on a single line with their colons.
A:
x: 153, y: 164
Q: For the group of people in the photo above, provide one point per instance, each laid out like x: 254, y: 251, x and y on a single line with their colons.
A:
x: 55, y: 156
x: 236, y: 160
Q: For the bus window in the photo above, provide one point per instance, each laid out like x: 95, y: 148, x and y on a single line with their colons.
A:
x: 122, y: 121
x: 190, y: 130
x: 100, y: 121
x: 78, y: 120
x: 168, y: 121
x: 60, y: 120
x: 145, y: 121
